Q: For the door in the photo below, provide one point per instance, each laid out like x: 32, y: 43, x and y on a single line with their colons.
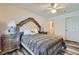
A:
x: 72, y: 28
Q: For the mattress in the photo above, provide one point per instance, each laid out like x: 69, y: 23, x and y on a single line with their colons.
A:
x: 42, y: 44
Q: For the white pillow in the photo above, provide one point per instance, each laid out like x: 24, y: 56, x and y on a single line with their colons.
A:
x: 26, y: 31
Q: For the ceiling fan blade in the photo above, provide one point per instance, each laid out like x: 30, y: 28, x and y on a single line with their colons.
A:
x: 59, y: 8
x: 55, y: 5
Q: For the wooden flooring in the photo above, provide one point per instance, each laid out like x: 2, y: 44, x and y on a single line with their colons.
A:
x: 72, y: 49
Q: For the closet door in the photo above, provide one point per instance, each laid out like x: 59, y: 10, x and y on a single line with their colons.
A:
x: 72, y: 28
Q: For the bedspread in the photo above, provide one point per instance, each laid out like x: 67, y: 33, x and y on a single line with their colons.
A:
x: 42, y: 44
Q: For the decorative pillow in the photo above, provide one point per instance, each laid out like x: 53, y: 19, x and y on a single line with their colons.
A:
x: 35, y: 31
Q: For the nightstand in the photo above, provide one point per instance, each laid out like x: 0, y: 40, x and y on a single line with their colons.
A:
x: 10, y: 43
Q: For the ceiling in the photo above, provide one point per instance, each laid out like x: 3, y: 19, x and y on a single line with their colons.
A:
x: 41, y: 8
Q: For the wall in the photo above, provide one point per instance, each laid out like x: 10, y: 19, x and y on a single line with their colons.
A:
x: 60, y: 24
x: 8, y: 12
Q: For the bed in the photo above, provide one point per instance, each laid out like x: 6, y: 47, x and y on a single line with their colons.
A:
x: 40, y: 43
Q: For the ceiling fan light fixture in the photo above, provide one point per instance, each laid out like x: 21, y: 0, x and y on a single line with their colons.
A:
x: 53, y: 11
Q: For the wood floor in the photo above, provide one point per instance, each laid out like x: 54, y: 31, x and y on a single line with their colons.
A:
x: 72, y: 49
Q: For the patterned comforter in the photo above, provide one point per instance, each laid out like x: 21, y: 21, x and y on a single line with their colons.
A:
x: 42, y: 44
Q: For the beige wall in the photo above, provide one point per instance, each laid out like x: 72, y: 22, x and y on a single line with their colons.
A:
x: 8, y: 12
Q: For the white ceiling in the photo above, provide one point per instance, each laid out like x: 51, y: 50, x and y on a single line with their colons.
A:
x: 41, y: 8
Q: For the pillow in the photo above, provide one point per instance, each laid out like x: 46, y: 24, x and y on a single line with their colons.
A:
x: 26, y: 31
x: 35, y: 31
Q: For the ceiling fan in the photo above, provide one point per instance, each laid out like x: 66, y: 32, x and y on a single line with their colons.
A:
x: 55, y: 6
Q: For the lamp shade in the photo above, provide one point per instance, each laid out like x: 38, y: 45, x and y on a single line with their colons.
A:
x: 11, y: 27
x: 51, y: 28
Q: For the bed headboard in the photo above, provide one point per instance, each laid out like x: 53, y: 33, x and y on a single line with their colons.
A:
x: 30, y: 19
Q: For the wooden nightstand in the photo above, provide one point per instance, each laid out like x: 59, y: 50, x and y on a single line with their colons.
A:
x: 10, y: 43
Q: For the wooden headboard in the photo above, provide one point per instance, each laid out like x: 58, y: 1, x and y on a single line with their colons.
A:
x: 30, y: 19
